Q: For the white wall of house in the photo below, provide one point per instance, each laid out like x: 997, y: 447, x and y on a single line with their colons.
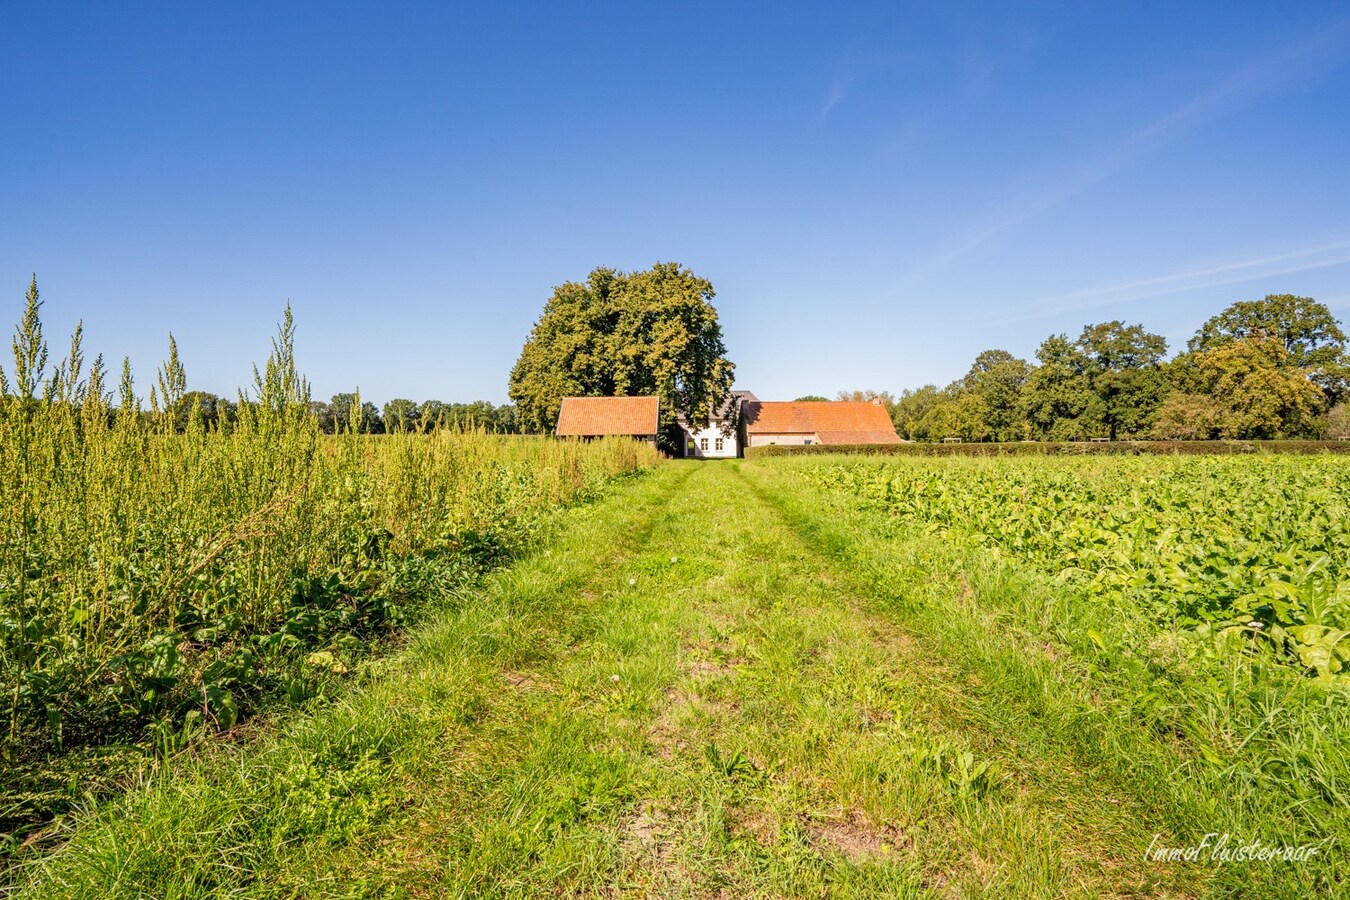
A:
x: 711, y: 443
x: 763, y: 440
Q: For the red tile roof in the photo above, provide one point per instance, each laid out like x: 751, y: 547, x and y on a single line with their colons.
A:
x: 587, y: 416
x: 859, y: 437
x: 831, y: 421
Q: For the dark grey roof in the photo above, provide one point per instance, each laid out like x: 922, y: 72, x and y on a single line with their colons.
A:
x: 728, y: 407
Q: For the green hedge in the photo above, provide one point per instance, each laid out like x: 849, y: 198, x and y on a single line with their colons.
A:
x: 1061, y: 448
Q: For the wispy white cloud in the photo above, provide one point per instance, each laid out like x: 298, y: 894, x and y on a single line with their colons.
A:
x: 1315, y: 54
x: 1266, y: 264
x: 837, y: 93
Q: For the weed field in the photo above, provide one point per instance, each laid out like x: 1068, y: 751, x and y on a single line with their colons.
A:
x: 804, y: 677
x: 158, y: 586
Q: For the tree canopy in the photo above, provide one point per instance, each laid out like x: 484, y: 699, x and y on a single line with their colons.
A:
x: 653, y: 332
x: 1311, y: 336
x: 1271, y: 368
x: 1124, y: 368
x: 1057, y: 399
x: 996, y: 380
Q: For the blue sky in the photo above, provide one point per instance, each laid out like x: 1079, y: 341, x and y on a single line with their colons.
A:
x: 877, y: 191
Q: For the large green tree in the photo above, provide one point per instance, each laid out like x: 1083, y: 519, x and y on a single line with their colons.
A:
x: 910, y: 409
x: 997, y: 378
x: 1256, y: 391
x: 958, y: 413
x: 625, y: 334
x: 349, y: 413
x: 1057, y: 399
x: 1311, y: 335
x: 1124, y: 367
x: 402, y: 414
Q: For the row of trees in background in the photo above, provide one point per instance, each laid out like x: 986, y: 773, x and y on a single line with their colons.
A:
x: 1261, y: 369
x: 341, y: 414
x: 402, y: 415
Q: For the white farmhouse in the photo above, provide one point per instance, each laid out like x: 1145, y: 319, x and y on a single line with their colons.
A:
x: 721, y: 439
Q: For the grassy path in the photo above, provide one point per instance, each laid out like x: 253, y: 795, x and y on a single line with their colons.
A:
x: 692, y: 692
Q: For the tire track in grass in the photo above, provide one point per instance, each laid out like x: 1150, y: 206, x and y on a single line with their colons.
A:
x: 804, y: 746
x: 348, y: 800
x: 1011, y: 831
x: 505, y: 810
x: 683, y: 695
x: 1114, y: 790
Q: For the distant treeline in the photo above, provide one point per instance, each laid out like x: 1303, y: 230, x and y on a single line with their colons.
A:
x: 1265, y: 369
x: 340, y: 414
x: 400, y: 415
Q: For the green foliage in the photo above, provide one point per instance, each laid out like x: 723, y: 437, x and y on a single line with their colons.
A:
x: 1185, y: 416
x: 1255, y: 392
x: 909, y: 410
x: 1268, y: 369
x: 347, y: 413
x: 172, y: 382
x: 161, y: 577
x: 642, y: 333
x: 30, y: 349
x: 996, y: 381
x: 1310, y: 334
x: 1197, y: 542
x: 1058, y: 400
x: 1179, y: 447
x: 735, y: 766
x: 458, y: 416
x: 961, y: 414
x: 402, y: 415
x: 1338, y: 423
x: 964, y: 776
x: 1124, y: 369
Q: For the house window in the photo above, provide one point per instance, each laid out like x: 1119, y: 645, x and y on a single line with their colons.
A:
x: 719, y: 444
x: 703, y: 443
x: 807, y: 442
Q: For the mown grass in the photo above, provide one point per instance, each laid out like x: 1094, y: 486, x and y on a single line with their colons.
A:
x: 1251, y: 757
x: 714, y: 682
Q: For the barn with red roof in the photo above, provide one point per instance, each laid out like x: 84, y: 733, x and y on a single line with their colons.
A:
x: 817, y: 422
x: 593, y: 417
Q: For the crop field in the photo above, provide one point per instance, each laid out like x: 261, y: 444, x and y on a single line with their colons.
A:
x: 1204, y: 599
x: 809, y: 676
